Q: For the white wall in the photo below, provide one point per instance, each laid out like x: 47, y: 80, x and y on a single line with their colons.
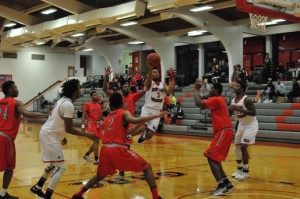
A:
x: 33, y: 76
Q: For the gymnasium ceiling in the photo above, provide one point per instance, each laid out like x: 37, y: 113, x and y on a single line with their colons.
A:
x: 28, y: 13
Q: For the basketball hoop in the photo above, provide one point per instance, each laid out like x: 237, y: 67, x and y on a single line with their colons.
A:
x: 258, y: 22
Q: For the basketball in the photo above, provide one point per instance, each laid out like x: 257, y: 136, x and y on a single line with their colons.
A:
x: 155, y: 58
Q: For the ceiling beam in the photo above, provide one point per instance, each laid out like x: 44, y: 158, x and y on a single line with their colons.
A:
x: 179, y: 32
x: 36, y: 8
x: 18, y: 16
x: 226, y: 4
x: 74, y: 7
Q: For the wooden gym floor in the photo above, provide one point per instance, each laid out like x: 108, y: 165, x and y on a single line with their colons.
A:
x: 180, y: 168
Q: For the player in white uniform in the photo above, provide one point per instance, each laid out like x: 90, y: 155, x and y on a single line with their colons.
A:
x: 246, y: 131
x: 154, y: 100
x: 53, y: 136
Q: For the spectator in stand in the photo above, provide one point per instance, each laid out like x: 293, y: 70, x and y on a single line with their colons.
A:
x: 167, y: 101
x: 121, y: 80
x: 216, y: 74
x: 137, y: 75
x: 204, y: 90
x: 133, y: 85
x: 297, y: 71
x: 115, y: 85
x: 244, y: 76
x: 279, y: 89
x: 295, y: 91
x: 100, y: 82
x: 179, y: 114
x: 280, y: 71
x: 236, y: 73
x: 224, y: 65
x: 267, y: 66
x: 268, y: 90
x: 170, y: 75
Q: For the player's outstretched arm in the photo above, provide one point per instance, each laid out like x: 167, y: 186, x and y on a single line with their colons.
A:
x: 70, y: 129
x: 149, y: 76
x: 106, y: 80
x: 141, y: 120
x: 169, y: 89
x: 22, y: 110
x: 198, y: 101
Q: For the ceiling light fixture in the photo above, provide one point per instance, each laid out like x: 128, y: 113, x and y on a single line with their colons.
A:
x: 202, y: 8
x: 88, y: 49
x: 129, y: 23
x: 10, y: 24
x: 278, y: 20
x: 40, y: 43
x: 78, y: 35
x: 49, y: 11
x: 196, y: 33
x: 136, y: 42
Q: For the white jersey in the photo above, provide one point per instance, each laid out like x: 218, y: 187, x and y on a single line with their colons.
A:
x: 154, y: 97
x: 242, y: 117
x: 55, y: 125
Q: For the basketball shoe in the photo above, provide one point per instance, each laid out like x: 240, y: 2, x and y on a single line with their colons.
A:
x: 7, y: 196
x: 142, y: 138
x: 37, y: 191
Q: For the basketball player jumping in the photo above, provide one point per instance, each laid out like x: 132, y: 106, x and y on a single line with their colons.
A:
x: 154, y: 100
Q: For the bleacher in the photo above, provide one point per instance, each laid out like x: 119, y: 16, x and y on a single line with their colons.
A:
x: 277, y: 121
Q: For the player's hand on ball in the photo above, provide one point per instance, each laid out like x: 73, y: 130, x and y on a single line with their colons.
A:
x: 150, y: 64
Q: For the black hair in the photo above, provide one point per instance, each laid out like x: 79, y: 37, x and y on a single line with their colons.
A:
x: 92, y: 93
x: 6, y: 86
x: 70, y: 87
x: 219, y: 87
x: 178, y: 103
x: 242, y: 84
x: 116, y: 101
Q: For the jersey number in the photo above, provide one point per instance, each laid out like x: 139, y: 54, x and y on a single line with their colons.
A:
x: 4, y: 113
x: 111, y: 121
x: 158, y: 94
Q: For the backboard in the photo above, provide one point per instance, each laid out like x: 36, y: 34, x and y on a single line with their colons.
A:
x: 278, y: 9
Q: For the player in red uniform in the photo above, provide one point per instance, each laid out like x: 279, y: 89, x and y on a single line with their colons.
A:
x: 114, y: 153
x: 129, y: 100
x: 222, y: 128
x: 93, y: 113
x: 10, y: 118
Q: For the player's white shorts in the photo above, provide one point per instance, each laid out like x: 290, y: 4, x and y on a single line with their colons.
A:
x: 153, y: 124
x: 51, y: 147
x: 246, y: 133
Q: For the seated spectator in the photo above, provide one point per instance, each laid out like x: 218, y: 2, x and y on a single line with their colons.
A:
x: 133, y: 85
x: 114, y: 86
x: 42, y: 101
x: 279, y: 89
x: 295, y: 91
x: 179, y: 114
x: 166, y: 103
x: 280, y: 71
x: 268, y: 90
x: 204, y: 91
x: 100, y: 82
x: 80, y: 111
x: 236, y: 73
x: 216, y: 74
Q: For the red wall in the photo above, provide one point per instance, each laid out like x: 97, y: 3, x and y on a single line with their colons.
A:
x: 253, y: 47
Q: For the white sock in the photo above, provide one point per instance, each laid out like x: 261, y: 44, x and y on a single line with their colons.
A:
x: 240, y: 165
x: 3, y: 192
x: 246, y: 167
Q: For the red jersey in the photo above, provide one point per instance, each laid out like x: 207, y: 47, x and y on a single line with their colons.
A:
x: 129, y: 101
x: 94, y: 111
x: 9, y: 121
x: 219, y: 113
x: 114, y: 130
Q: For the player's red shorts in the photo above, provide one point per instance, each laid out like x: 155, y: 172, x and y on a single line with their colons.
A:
x: 94, y: 128
x: 7, y: 154
x: 117, y: 157
x: 219, y: 147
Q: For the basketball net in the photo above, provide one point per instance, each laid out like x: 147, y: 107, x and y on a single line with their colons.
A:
x: 258, y: 22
